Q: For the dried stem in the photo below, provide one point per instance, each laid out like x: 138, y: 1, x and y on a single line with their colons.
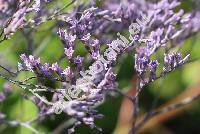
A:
x: 24, y: 124
x: 123, y: 94
x: 64, y: 125
x: 135, y: 101
x: 29, y: 39
x: 60, y: 10
x: 10, y: 72
x: 166, y: 110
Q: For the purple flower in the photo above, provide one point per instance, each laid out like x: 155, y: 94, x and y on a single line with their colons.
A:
x: 2, y: 116
x: 95, y: 44
x: 82, y: 27
x: 70, y: 38
x: 141, y: 64
x: 66, y: 36
x: 45, y: 70
x: 78, y: 62
x: 29, y: 63
x: 69, y: 52
x: 33, y: 60
x: 86, y: 37
x: 23, y: 57
x: 67, y: 71
x: 110, y: 54
x: 153, y: 65
x: 108, y: 82
x: 174, y: 60
x: 73, y: 23
x: 86, y: 16
x: 55, y: 67
x: 36, y: 5
x: 6, y: 88
x: 2, y: 97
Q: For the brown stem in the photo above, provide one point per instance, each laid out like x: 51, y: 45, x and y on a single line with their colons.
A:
x: 167, y: 109
x: 135, y: 101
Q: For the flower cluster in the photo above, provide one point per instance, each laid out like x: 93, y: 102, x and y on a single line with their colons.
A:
x: 154, y: 34
x: 14, y: 14
x: 5, y: 92
x: 164, y: 26
x: 79, y: 29
x: 7, y: 8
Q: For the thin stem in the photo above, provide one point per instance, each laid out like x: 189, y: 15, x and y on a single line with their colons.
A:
x: 64, y: 125
x: 148, y: 115
x: 4, y: 38
x: 13, y: 82
x: 123, y: 94
x: 29, y: 127
x: 135, y: 101
x: 60, y: 10
x: 10, y: 72
x: 27, y: 79
x: 24, y: 124
x: 29, y: 39
x: 167, y: 109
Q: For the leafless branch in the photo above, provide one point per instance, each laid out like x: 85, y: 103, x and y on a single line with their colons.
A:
x: 135, y: 102
x: 167, y: 109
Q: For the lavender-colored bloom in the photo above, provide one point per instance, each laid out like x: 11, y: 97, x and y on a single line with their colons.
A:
x: 95, y: 44
x: 13, y: 14
x: 153, y: 65
x: 30, y: 63
x: 56, y: 68
x: 95, y: 50
x: 108, y: 82
x: 45, y: 69
x: 86, y: 16
x: 82, y: 27
x: 6, y: 88
x: 86, y: 37
x: 69, y: 52
x: 23, y: 57
x: 18, y: 19
x: 2, y: 97
x: 73, y: 23
x: 67, y: 71
x: 2, y: 116
x: 174, y: 60
x: 81, y: 109
x: 36, y: 5
x: 7, y: 8
x: 78, y: 62
x: 70, y: 38
x: 141, y: 64
x: 110, y: 54
x: 33, y: 60
x: 66, y: 37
